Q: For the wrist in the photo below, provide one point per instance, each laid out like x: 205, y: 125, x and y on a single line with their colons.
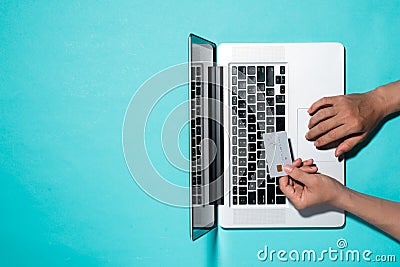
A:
x: 388, y: 97
x: 342, y: 196
x: 379, y: 100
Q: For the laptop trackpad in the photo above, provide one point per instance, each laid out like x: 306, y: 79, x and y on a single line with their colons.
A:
x: 305, y: 148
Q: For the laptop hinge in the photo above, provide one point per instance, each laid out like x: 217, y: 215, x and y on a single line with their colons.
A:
x: 216, y: 133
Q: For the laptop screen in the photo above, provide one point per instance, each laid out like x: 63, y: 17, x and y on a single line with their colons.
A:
x: 202, y: 56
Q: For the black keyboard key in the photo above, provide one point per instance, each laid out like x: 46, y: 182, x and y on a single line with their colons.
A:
x: 234, y: 100
x: 261, y: 183
x: 242, y: 113
x: 234, y: 110
x: 270, y: 111
x: 252, y: 156
x: 270, y: 179
x: 270, y: 101
x: 260, y: 134
x: 242, y: 132
x: 251, y: 176
x: 242, y: 180
x: 199, y: 180
x: 260, y: 97
x: 242, y: 72
x: 242, y: 103
x: 252, y: 198
x: 252, y: 137
x: 261, y: 154
x: 261, y: 106
x: 282, y: 69
x: 270, y: 129
x: 234, y: 130
x: 251, y: 108
x: 270, y: 91
x: 280, y: 109
x: 251, y: 70
x: 234, y: 160
x: 260, y: 116
x: 252, y: 147
x: 234, y: 90
x: 252, y: 186
x: 280, y: 99
x: 242, y: 190
x: 242, y: 94
x: 279, y: 191
x: 261, y: 163
x: 261, y: 196
x: 242, y: 123
x: 234, y: 170
x: 280, y: 200
x: 235, y: 200
x: 270, y: 76
x: 278, y: 80
x: 234, y: 70
x: 283, y: 80
x: 261, y: 173
x: 251, y: 166
x: 282, y: 89
x: 234, y: 150
x: 242, y: 162
x: 242, y: 171
x: 234, y: 190
x: 251, y: 127
x: 242, y: 84
x: 280, y: 124
x: 198, y: 130
x: 251, y: 89
x: 270, y: 194
x: 252, y: 118
x: 260, y: 74
x: 260, y: 87
x: 251, y: 99
x: 251, y: 80
x: 234, y: 80
x: 242, y: 200
x: 260, y: 144
x: 261, y: 126
x: 270, y: 120
x: 242, y: 142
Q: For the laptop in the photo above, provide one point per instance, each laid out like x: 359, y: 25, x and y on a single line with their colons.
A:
x: 237, y: 95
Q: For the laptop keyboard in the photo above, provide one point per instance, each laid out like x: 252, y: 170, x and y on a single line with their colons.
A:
x: 258, y: 101
x: 196, y: 133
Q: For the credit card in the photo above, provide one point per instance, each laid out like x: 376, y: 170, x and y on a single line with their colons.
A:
x: 277, y: 152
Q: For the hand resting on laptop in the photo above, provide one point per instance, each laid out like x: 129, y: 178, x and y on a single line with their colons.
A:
x: 350, y: 118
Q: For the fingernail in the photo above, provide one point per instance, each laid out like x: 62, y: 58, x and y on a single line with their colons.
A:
x: 316, y: 143
x: 339, y: 153
x: 288, y: 168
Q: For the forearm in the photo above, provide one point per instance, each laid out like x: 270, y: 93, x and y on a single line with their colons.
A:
x: 382, y: 213
x: 389, y: 94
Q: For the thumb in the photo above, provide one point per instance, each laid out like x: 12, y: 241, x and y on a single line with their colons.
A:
x: 296, y: 173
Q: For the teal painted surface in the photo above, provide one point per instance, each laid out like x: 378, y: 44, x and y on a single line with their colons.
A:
x: 67, y: 73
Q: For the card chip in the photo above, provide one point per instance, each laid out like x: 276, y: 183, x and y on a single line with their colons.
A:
x: 279, y: 168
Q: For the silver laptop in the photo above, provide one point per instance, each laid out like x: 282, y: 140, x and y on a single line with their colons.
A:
x: 236, y: 97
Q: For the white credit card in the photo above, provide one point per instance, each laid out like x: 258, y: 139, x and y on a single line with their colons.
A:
x: 277, y: 152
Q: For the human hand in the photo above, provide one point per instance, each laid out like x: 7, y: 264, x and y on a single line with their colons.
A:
x: 305, y: 189
x: 347, y: 119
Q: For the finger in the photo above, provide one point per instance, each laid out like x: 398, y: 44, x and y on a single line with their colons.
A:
x: 309, y: 169
x: 296, y: 173
x: 285, y: 187
x: 348, y: 144
x: 325, y: 101
x: 308, y: 162
x: 321, y: 115
x: 331, y: 136
x: 297, y: 162
x: 323, y: 128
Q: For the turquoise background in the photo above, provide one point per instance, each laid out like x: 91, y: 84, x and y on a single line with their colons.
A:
x: 68, y: 70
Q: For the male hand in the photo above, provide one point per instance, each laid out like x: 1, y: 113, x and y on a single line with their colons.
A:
x: 347, y: 119
x: 305, y: 188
